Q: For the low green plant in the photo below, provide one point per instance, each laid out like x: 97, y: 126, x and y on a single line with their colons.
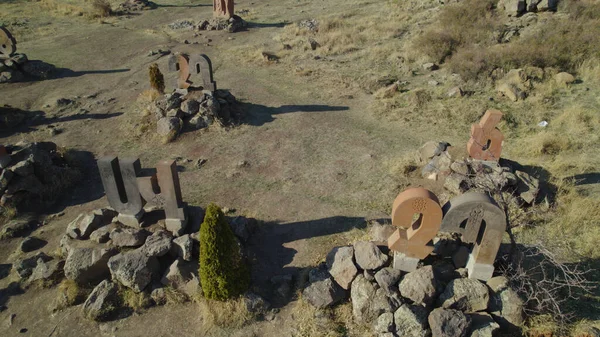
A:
x: 157, y: 80
x: 223, y: 274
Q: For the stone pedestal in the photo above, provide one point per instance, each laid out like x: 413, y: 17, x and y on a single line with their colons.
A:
x: 405, y: 263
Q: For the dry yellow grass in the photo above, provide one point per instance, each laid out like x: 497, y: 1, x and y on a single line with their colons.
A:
x: 220, y: 316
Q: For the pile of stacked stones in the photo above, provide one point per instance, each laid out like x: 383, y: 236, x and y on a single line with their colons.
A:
x: 437, y: 299
x: 99, y: 251
x: 34, y: 174
x: 135, y: 5
x: 195, y: 110
x: 15, y: 67
x: 231, y: 25
x: 520, y: 7
x: 465, y: 174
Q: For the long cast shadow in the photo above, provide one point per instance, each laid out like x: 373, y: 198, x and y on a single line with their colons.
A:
x: 257, y: 114
x: 47, y: 71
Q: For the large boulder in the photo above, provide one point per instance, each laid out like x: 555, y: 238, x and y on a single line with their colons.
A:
x: 362, y: 292
x: 26, y: 266
x: 46, y: 271
x: 101, y: 302
x: 179, y: 274
x: 168, y: 125
x: 182, y: 247
x: 340, y: 263
x: 158, y: 244
x: 448, y: 323
x: 323, y: 291
x: 411, y: 321
x: 85, y: 265
x: 128, y: 237
x: 384, y: 323
x: 388, y: 278
x: 133, y: 269
x: 483, y: 325
x: 420, y: 286
x: 505, y: 304
x: 465, y: 294
x: 368, y: 256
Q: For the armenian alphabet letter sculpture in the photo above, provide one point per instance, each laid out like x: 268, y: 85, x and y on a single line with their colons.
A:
x: 127, y: 193
x: 189, y: 67
x: 8, y: 44
x: 223, y: 8
x: 486, y: 139
x: 480, y: 221
x: 414, y: 241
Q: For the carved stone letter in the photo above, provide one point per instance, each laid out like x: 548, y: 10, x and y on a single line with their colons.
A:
x: 121, y: 188
x: 414, y: 241
x: 8, y: 44
x: 193, y: 70
x: 486, y: 140
x: 223, y: 8
x: 480, y: 221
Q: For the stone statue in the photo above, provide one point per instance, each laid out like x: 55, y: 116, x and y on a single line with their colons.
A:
x: 223, y: 8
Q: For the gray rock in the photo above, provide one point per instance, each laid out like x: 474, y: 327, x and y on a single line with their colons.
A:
x: 101, y: 302
x: 182, y: 247
x: 431, y: 149
x: 190, y: 107
x: 166, y: 125
x: 411, y: 321
x: 382, y: 302
x: 388, y: 278
x: 381, y: 232
x: 15, y: 228
x: 369, y: 275
x: 198, y: 122
x: 384, y: 323
x: 31, y: 243
x: 361, y: 293
x: 505, y: 304
x: 159, y: 295
x: 25, y: 267
x: 467, y: 295
x: 448, y: 323
x: 209, y: 107
x: 101, y: 235
x: 88, y: 224
x: 5, y: 178
x: 456, y: 92
x: 178, y: 274
x: 323, y: 293
x: 368, y: 256
x: 456, y: 183
x: 87, y: 264
x: 174, y: 113
x: 420, y: 286
x: 158, y: 244
x: 133, y: 269
x: 73, y: 227
x: 386, y: 334
x: 483, y: 325
x: 65, y: 245
x: 46, y: 270
x: 128, y: 237
x: 319, y: 273
x: 256, y: 304
x: 23, y: 168
x: 242, y: 227
x: 341, y: 265
x: 527, y: 187
x: 430, y: 66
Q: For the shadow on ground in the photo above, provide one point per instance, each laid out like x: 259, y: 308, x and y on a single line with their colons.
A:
x: 257, y: 114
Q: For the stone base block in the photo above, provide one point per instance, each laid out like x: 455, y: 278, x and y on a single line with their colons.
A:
x: 176, y: 226
x: 479, y: 271
x: 134, y: 221
x: 405, y: 263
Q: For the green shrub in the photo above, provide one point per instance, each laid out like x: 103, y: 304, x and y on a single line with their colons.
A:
x: 223, y: 274
x: 157, y: 80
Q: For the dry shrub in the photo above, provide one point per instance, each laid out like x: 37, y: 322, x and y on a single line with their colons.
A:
x: 230, y: 314
x: 133, y: 300
x: 101, y: 8
x: 70, y: 293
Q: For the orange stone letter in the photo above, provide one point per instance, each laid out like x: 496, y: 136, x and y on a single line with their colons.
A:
x: 414, y: 241
x: 486, y: 139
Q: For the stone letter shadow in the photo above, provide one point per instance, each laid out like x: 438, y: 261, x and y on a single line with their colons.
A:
x: 257, y: 115
x: 47, y: 71
x: 13, y: 120
x: 547, y: 190
x: 12, y: 289
x: 269, y: 255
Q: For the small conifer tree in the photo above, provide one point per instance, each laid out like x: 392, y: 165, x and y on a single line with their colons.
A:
x: 157, y: 81
x: 223, y: 273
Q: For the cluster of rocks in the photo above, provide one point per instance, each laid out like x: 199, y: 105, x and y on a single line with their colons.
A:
x: 101, y: 252
x: 437, y: 299
x: 135, y: 6
x: 520, y: 7
x: 18, y: 68
x: 231, y: 25
x: 34, y: 174
x: 517, y: 83
x: 193, y: 111
x: 460, y: 175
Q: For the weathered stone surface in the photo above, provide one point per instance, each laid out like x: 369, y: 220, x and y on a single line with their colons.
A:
x: 166, y: 125
x: 88, y: 224
x: 101, y: 235
x: 455, y: 183
x: 420, y: 286
x: 242, y: 227
x: 178, y: 274
x: 158, y: 244
x: 527, y: 186
x: 340, y: 263
x: 432, y: 149
x: 368, y: 256
x: 65, y: 245
x: 448, y: 323
x: 23, y: 168
x: 430, y: 66
x: 467, y: 295
x: 483, y: 325
x: 182, y: 247
x: 456, y: 92
x: 362, y: 292
x: 411, y: 321
x: 25, y: 267
x: 382, y: 302
x: 324, y: 293
x: 128, y: 237
x: 133, y: 269
x: 190, y: 107
x: 31, y: 243
x: 87, y: 264
x: 16, y: 228
x: 101, y: 302
x: 255, y: 303
x: 49, y: 270
x: 505, y: 304
x: 564, y: 78
x: 510, y: 91
x: 380, y: 232
x: 159, y: 295
x: 388, y: 278
x: 384, y: 323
